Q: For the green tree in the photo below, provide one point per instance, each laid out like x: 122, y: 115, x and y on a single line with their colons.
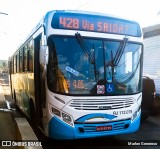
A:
x: 4, y: 64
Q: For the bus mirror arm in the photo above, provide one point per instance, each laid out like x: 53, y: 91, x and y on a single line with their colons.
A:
x: 43, y: 55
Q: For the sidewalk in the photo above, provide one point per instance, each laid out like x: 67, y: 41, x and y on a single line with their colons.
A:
x: 3, y: 104
x: 14, y: 128
x: 7, y: 128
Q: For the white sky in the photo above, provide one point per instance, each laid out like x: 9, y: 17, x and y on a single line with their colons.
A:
x: 23, y: 15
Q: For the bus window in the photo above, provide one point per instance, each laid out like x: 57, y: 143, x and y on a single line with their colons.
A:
x: 52, y: 65
x: 21, y: 60
x: 17, y: 64
x: 30, y: 57
x: 12, y: 66
x: 25, y: 58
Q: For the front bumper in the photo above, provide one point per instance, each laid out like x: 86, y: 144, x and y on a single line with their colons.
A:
x: 60, y: 130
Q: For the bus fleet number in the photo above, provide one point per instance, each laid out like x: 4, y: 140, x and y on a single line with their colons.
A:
x: 77, y: 84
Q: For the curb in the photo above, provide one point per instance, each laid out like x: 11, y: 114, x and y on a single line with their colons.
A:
x: 25, y: 133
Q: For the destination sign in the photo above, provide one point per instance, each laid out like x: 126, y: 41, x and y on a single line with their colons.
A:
x: 94, y: 23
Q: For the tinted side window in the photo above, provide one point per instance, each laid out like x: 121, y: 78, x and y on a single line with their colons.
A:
x: 25, y: 58
x: 12, y: 65
x: 17, y: 62
x: 21, y: 60
x: 30, y: 56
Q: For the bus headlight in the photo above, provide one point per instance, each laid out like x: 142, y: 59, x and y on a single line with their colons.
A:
x: 135, y: 114
x: 63, y: 116
x: 66, y: 118
x: 56, y: 112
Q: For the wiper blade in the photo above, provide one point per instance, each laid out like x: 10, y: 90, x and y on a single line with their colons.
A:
x: 87, y: 52
x: 120, y: 52
x: 115, y: 61
x: 84, y: 47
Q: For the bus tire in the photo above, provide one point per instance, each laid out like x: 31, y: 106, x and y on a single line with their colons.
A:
x: 144, y: 116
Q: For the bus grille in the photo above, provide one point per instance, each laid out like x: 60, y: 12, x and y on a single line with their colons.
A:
x: 89, y: 128
x: 100, y: 104
x: 118, y: 126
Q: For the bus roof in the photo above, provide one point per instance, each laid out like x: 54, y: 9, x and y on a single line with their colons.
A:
x: 90, y: 13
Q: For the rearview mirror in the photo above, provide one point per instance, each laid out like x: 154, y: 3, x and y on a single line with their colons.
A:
x: 43, y: 55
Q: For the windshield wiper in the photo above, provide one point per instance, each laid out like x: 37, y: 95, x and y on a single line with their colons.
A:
x: 120, y: 52
x: 86, y: 51
x: 84, y: 47
x: 115, y: 61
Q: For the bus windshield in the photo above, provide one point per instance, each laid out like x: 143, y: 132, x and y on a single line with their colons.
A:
x: 88, y: 66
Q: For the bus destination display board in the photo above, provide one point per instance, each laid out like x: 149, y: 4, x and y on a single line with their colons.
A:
x: 94, y: 23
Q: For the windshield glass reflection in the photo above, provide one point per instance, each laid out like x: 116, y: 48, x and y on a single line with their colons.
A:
x: 87, y: 66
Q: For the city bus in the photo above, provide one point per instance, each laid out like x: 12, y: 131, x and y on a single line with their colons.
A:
x: 78, y: 75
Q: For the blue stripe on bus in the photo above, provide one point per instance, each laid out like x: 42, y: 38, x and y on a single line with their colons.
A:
x: 60, y: 130
x: 95, y: 115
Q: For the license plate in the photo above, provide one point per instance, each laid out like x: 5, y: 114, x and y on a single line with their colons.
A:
x: 103, y: 128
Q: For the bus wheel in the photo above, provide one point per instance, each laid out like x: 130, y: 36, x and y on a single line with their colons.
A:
x: 32, y: 112
x: 144, y: 116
